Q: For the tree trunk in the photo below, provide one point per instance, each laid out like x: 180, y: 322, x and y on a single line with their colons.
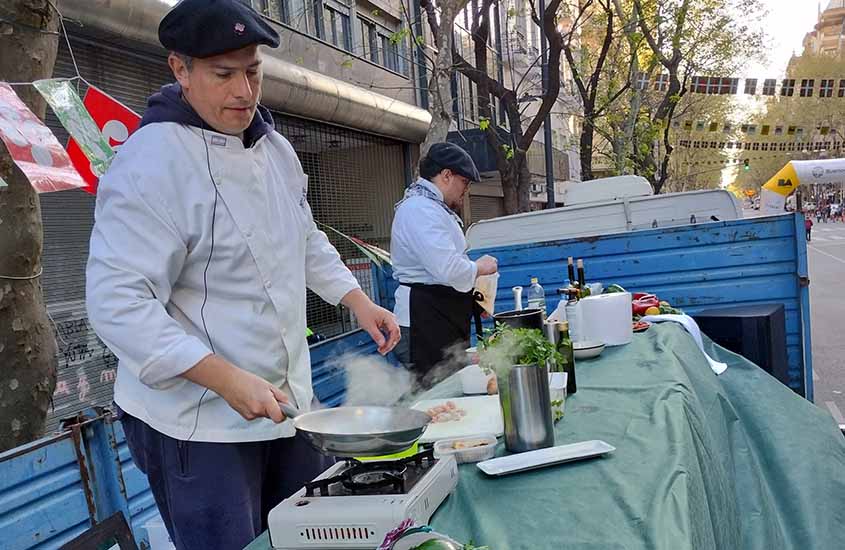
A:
x: 587, y: 134
x: 524, y: 184
x: 27, y: 342
x: 510, y: 189
x: 440, y: 83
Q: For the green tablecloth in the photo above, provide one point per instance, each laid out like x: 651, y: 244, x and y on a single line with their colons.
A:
x: 734, y: 462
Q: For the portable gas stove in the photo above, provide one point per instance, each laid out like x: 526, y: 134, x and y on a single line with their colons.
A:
x: 355, y: 504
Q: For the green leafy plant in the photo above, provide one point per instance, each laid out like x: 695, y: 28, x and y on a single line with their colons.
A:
x: 518, y: 346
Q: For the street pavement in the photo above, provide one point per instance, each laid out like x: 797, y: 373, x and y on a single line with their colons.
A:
x: 826, y: 255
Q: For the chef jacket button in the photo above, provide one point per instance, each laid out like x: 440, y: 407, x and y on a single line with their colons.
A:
x: 268, y: 284
x: 248, y: 233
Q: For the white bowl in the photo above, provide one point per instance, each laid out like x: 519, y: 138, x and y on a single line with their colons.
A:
x: 473, y: 380
x: 587, y: 350
x: 484, y: 448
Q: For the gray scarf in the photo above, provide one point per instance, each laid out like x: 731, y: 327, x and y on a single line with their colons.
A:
x: 418, y: 189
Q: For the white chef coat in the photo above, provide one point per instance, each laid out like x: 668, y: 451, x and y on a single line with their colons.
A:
x: 427, y: 245
x: 149, y: 249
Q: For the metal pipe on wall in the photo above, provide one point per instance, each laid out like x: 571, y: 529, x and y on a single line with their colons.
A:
x: 288, y: 87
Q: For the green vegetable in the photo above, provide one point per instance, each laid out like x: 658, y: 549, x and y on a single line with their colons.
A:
x: 613, y: 289
x: 527, y: 346
x: 435, y: 544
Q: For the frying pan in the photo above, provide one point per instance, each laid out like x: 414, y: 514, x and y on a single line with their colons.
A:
x: 359, y: 431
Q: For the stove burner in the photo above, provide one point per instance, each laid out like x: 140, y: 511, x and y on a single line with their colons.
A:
x: 372, y: 478
x: 363, y: 477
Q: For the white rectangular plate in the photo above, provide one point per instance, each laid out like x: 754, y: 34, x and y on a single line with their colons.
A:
x: 484, y: 416
x: 540, y: 458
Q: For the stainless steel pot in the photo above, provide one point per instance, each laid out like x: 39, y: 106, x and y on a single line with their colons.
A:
x: 526, y: 408
x: 525, y: 318
x: 359, y: 431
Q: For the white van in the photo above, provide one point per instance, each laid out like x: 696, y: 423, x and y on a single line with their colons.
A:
x: 603, y: 218
x: 606, y: 189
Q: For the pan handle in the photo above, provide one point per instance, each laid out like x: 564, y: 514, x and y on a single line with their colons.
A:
x: 289, y: 410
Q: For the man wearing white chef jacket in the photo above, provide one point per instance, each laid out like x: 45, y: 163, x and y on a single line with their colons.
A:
x: 202, y: 250
x: 435, y: 300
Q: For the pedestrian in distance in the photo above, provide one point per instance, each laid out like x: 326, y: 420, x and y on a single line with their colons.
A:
x: 808, y: 225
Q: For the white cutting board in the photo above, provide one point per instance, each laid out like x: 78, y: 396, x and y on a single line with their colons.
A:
x: 484, y: 416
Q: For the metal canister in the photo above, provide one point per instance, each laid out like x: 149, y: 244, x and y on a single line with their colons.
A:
x: 526, y: 409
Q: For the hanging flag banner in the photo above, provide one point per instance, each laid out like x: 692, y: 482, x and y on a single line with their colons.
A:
x: 75, y: 118
x: 33, y: 147
x: 795, y: 173
x: 116, y: 123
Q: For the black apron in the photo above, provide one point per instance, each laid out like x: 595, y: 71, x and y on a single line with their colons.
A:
x: 440, y: 323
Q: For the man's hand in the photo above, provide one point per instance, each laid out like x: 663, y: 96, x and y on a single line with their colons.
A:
x: 487, y: 265
x: 374, y: 319
x: 250, y: 395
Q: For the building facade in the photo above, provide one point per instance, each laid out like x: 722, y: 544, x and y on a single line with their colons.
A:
x: 513, y: 59
x: 828, y: 36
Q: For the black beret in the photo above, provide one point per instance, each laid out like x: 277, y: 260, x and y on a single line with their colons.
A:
x: 449, y: 155
x: 205, y: 28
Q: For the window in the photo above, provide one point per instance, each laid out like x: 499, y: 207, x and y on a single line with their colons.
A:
x: 778, y: 130
x: 714, y: 85
x: 699, y: 126
x: 765, y: 129
x: 842, y: 88
x: 787, y: 87
x: 764, y: 146
x: 826, y: 88
x: 369, y: 40
x: 807, y: 86
x: 386, y: 47
x: 336, y: 25
x: 661, y: 83
x: 389, y: 52
x: 642, y: 81
x: 750, y: 86
x: 714, y: 126
x: 769, y: 86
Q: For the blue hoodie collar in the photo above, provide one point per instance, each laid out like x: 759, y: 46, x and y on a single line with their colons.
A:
x: 168, y: 106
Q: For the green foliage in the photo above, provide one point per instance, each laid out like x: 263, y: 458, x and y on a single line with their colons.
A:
x: 400, y: 35
x: 420, y: 40
x: 521, y: 346
x: 483, y: 123
x: 508, y: 151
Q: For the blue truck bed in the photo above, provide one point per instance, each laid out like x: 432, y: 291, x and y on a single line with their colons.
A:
x: 55, y: 488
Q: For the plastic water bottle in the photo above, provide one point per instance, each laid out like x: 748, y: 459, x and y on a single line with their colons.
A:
x: 536, y: 296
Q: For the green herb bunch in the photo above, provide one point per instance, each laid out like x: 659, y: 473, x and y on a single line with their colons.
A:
x: 518, y: 346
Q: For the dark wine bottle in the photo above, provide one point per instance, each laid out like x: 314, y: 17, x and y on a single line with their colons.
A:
x: 564, y: 347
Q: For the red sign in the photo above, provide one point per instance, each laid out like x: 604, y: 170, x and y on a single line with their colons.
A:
x: 33, y: 146
x: 116, y: 122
